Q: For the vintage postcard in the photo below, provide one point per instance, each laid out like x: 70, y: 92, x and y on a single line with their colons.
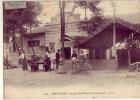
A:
x: 71, y: 49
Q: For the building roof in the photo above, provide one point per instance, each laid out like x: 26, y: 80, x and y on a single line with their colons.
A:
x: 75, y: 38
x: 106, y: 23
x: 48, y: 28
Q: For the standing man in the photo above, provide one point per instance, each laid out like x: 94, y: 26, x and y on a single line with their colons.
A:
x: 52, y: 60
x: 57, y: 58
x: 74, y: 60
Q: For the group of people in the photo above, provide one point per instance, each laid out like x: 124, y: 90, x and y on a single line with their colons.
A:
x: 48, y: 63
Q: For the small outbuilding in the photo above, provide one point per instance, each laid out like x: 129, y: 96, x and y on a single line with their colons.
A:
x: 103, y: 53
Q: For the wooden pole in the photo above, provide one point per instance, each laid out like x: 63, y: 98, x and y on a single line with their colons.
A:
x: 114, y: 32
x: 62, y: 15
x: 114, y: 21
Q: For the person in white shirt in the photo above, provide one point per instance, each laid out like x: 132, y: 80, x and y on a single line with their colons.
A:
x: 52, y: 59
x: 74, y: 60
x: 6, y: 61
x: 23, y: 60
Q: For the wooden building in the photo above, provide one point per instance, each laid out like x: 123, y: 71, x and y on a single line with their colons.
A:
x: 49, y: 36
x: 102, y: 53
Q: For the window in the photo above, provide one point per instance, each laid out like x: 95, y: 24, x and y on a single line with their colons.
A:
x: 33, y: 43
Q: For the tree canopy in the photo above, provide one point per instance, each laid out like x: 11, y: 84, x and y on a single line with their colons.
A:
x: 90, y: 25
x: 18, y: 20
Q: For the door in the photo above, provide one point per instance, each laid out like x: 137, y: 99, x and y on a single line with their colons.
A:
x: 122, y: 55
x: 67, y: 52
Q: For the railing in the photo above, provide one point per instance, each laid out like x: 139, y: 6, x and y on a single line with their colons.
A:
x: 96, y: 64
x: 134, y: 66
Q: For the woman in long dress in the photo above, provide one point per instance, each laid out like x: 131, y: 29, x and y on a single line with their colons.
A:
x: 52, y: 57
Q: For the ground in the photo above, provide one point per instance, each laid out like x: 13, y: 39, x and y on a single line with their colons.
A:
x: 98, y: 83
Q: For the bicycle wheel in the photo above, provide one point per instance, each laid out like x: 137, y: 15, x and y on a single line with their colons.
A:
x: 75, y: 68
x: 87, y: 68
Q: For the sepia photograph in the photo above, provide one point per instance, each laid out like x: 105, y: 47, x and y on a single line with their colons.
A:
x: 71, y: 49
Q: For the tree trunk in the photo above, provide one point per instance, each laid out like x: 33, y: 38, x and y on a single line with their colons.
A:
x: 16, y: 45
x: 13, y: 37
x: 33, y: 50
x: 31, y: 41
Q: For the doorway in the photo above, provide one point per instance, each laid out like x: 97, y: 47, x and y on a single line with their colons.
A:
x: 122, y: 55
x: 67, y: 52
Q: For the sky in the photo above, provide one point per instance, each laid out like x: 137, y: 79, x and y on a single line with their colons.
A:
x: 126, y: 9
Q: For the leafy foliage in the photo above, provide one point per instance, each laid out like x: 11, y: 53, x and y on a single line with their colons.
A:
x: 92, y: 5
x: 18, y: 20
x: 90, y: 25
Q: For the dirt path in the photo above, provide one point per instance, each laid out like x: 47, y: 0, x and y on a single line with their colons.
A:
x: 99, y: 83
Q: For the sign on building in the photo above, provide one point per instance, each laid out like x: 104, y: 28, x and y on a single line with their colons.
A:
x: 9, y: 5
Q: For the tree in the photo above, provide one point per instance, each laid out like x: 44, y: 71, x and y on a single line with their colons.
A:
x: 20, y: 20
x: 90, y: 25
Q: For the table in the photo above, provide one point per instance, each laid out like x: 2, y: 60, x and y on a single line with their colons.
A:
x: 36, y: 64
x: 40, y: 63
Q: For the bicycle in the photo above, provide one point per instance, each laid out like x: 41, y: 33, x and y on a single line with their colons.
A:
x: 81, y: 66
